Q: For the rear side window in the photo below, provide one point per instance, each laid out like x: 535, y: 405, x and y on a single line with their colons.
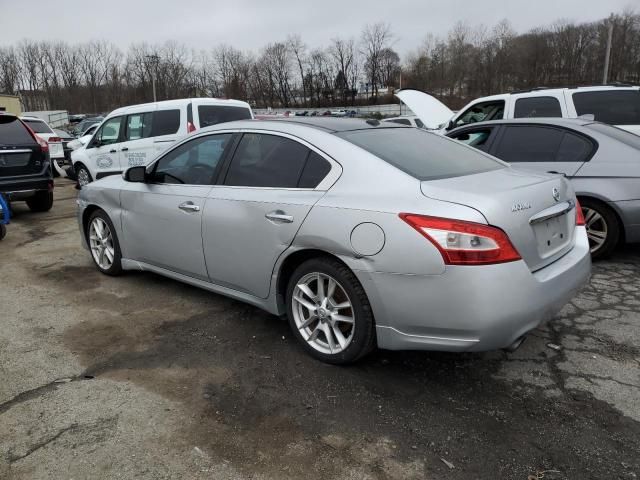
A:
x: 529, y: 144
x: 38, y: 126
x: 574, y: 148
x: 267, y: 161
x: 537, y: 107
x: 214, y: 114
x: 165, y: 122
x: 616, y: 107
x: 13, y: 132
x: 421, y: 154
x: 139, y: 126
x: 314, y: 171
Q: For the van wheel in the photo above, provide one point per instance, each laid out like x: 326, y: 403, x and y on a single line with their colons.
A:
x: 83, y: 175
x: 42, y: 201
x: 329, y: 311
x: 603, y: 228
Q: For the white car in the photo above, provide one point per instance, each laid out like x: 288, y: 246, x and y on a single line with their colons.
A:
x: 135, y: 135
x: 410, y: 120
x: 615, y: 105
x: 44, y: 131
x: 84, y: 138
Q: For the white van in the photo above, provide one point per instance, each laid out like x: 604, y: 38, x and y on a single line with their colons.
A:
x: 617, y: 105
x: 134, y: 135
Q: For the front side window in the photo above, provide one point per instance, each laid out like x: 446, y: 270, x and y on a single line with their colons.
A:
x: 214, y: 114
x: 165, y: 122
x: 481, y: 112
x: 110, y: 131
x: 139, y: 126
x: 421, y: 154
x: 194, y: 162
x: 616, y: 107
x: 267, y: 161
x: 537, y: 107
x: 529, y: 144
x: 475, y: 138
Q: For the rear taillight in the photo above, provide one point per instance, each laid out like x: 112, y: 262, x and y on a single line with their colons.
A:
x: 55, y: 140
x: 464, y: 243
x: 190, y: 127
x: 44, y: 146
x: 579, y: 215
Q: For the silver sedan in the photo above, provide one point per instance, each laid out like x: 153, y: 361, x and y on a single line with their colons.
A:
x: 364, y: 234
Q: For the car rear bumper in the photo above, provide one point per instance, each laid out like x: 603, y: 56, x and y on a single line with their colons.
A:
x: 24, y: 186
x: 473, y: 308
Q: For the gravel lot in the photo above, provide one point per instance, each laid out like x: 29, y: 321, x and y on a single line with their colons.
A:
x: 143, y: 377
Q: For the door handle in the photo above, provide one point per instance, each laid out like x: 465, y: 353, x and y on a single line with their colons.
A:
x: 112, y: 151
x: 557, y: 173
x: 189, y: 207
x: 279, y: 216
x: 124, y: 149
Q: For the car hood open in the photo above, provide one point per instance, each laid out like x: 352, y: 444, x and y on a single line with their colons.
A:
x: 433, y: 113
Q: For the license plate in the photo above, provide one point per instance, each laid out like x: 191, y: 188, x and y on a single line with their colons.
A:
x: 552, y: 234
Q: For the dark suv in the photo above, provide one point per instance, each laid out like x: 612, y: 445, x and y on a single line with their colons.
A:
x: 25, y: 168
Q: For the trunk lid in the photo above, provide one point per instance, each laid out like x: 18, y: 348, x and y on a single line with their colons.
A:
x: 20, y: 154
x: 433, y: 113
x: 536, y: 211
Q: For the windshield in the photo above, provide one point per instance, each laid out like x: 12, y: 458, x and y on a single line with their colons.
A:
x: 616, y: 107
x: 38, y: 126
x: 421, y: 154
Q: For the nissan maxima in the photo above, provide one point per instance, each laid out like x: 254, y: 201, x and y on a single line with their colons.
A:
x: 363, y: 234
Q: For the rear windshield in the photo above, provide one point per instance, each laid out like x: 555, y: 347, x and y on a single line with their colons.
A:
x: 214, y: 114
x: 38, y: 126
x: 616, y: 107
x: 625, y: 137
x: 13, y: 132
x: 421, y: 154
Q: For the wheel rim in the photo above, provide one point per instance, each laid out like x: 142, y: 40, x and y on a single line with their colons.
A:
x: 323, y: 313
x: 83, y: 177
x: 101, y: 243
x: 597, y: 228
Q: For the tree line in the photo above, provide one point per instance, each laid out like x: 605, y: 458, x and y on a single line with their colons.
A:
x: 468, y: 62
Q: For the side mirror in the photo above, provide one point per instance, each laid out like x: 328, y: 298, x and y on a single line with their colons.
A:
x: 463, y: 137
x: 136, y: 174
x: 450, y: 125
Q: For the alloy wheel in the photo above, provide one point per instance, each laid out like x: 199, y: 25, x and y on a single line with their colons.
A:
x: 597, y: 228
x: 323, y: 313
x: 83, y: 177
x: 101, y: 243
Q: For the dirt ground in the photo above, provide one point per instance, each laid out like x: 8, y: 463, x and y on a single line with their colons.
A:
x: 143, y: 377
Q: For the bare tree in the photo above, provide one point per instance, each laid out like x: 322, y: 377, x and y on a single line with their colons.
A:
x: 375, y: 38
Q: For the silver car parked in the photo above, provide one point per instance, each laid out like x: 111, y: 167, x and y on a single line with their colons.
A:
x: 602, y: 161
x: 364, y: 234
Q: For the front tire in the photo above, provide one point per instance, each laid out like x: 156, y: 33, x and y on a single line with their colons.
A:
x: 42, y: 201
x: 329, y: 312
x: 603, y: 228
x: 83, y: 176
x: 103, y: 244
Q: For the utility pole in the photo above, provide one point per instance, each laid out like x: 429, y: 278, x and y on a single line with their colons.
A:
x: 607, y: 55
x: 153, y: 60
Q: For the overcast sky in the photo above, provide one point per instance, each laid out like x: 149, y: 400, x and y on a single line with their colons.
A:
x: 250, y: 24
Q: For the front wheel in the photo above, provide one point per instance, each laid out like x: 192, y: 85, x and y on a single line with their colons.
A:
x: 83, y: 176
x: 329, y: 312
x: 603, y: 228
x: 103, y: 243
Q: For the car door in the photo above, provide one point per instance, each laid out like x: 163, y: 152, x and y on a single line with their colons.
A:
x: 480, y: 137
x: 162, y: 218
x: 137, y: 147
x: 269, y: 187
x: 543, y: 148
x: 103, y: 151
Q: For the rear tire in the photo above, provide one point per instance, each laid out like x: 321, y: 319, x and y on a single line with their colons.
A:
x: 42, y: 201
x: 603, y: 227
x: 3, y: 231
x: 329, y: 311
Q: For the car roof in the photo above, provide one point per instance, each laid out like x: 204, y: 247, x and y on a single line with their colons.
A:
x: 326, y: 124
x: 558, y: 121
x: 180, y: 102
